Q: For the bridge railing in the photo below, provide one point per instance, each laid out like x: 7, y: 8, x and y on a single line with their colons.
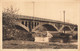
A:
x: 66, y: 32
x: 53, y: 31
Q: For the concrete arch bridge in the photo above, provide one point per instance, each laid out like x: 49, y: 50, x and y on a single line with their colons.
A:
x: 32, y: 24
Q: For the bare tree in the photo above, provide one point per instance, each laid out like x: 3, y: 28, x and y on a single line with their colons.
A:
x: 11, y: 10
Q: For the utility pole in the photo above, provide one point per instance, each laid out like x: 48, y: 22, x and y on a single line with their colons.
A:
x: 33, y: 8
x: 33, y: 23
x: 64, y: 20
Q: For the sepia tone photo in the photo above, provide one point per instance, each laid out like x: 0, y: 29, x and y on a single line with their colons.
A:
x: 40, y: 24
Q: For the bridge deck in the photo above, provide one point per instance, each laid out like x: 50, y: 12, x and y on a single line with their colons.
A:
x: 41, y: 19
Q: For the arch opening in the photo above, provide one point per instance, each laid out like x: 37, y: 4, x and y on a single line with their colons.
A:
x: 20, y: 28
x: 26, y: 24
x: 23, y: 22
x: 75, y: 29
x: 66, y: 28
x: 49, y: 27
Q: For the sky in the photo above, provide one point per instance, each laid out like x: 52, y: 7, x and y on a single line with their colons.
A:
x: 49, y: 9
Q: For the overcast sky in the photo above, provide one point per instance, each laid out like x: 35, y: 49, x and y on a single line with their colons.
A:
x: 50, y: 9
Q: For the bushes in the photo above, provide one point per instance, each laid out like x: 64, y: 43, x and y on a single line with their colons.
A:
x: 7, y: 33
x: 16, y: 34
x: 23, y: 35
x: 75, y: 37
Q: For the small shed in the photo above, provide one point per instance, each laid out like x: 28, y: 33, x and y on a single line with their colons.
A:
x: 43, y: 36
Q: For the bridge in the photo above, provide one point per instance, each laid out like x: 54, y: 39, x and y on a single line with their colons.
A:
x: 32, y: 24
x: 44, y: 30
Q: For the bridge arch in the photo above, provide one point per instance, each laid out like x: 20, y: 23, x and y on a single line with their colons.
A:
x: 21, y: 26
x: 66, y: 28
x: 48, y: 26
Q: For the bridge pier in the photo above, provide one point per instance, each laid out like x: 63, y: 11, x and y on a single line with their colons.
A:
x: 26, y: 23
x: 33, y: 24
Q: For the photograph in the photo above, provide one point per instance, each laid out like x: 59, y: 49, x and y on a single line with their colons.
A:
x: 40, y: 24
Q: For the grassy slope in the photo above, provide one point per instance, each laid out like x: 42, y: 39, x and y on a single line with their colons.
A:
x: 19, y: 44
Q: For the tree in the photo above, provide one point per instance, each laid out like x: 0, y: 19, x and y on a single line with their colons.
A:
x: 9, y: 16
x: 10, y: 10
